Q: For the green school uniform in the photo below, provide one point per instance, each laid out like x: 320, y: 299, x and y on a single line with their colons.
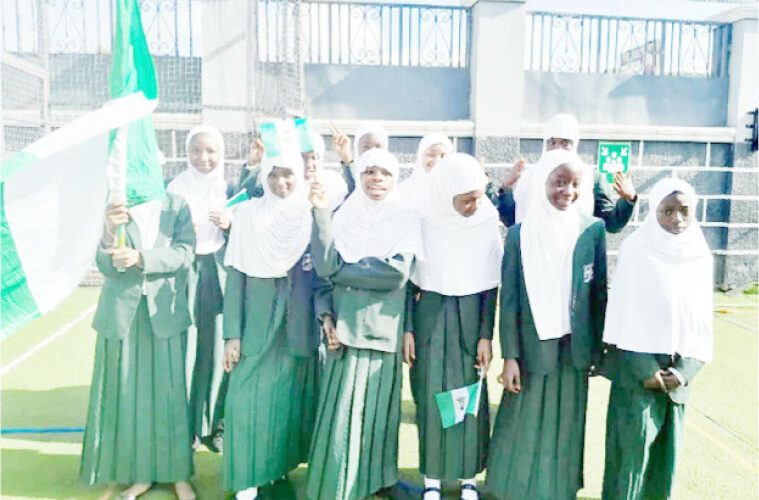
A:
x: 537, y: 443
x: 446, y: 332
x: 355, y: 447
x: 615, y: 215
x: 137, y: 422
x: 644, y: 428
x: 273, y: 390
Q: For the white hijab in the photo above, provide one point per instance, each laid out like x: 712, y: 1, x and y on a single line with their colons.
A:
x: 270, y: 233
x: 333, y: 182
x: 203, y: 192
x: 560, y: 126
x: 462, y: 254
x: 367, y: 128
x: 661, y: 297
x: 548, y: 238
x: 367, y: 228
x: 412, y: 189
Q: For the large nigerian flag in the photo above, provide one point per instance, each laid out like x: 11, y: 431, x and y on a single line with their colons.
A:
x: 53, y: 193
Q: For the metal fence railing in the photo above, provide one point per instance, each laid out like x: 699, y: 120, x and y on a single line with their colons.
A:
x: 386, y: 34
x: 597, y: 44
x: 86, y: 26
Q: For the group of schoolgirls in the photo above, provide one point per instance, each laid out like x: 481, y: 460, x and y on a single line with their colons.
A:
x: 380, y: 270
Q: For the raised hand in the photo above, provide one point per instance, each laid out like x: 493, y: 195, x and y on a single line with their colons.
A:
x: 513, y: 176
x: 317, y: 196
x: 341, y: 144
x: 624, y: 187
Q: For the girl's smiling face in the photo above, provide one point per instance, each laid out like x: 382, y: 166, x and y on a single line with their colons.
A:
x: 674, y: 213
x: 432, y: 155
x: 369, y: 141
x: 562, y: 186
x: 281, y: 181
x: 377, y: 182
x: 310, y: 163
x: 204, y: 153
x: 466, y: 204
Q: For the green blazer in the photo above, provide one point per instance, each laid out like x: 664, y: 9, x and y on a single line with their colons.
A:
x: 369, y: 296
x: 165, y: 271
x: 615, y: 215
x: 629, y: 369
x: 519, y: 338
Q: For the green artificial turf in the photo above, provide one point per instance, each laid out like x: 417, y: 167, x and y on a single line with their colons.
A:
x: 719, y: 461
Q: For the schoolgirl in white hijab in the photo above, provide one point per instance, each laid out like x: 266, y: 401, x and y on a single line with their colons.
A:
x: 367, y: 228
x: 271, y: 233
x: 560, y: 127
x: 659, y: 317
x: 548, y: 238
x: 413, y: 188
x: 204, y: 192
x: 333, y: 182
x: 379, y: 140
x: 661, y: 296
x: 462, y: 254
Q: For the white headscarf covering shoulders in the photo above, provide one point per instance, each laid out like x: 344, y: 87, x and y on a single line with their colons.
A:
x: 368, y: 228
x: 367, y: 128
x: 661, y: 296
x: 203, y: 192
x: 333, y: 182
x: 560, y: 126
x: 270, y: 234
x: 547, y: 241
x: 413, y: 187
x: 462, y: 254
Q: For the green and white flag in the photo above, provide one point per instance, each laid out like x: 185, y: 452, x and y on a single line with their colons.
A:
x: 454, y: 405
x: 53, y: 193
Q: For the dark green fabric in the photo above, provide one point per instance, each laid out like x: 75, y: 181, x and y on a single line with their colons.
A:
x: 249, y: 182
x: 615, y: 215
x: 519, y: 339
x: 536, y: 451
x: 447, y: 331
x: 369, y: 296
x: 355, y: 446
x: 208, y: 374
x: 644, y: 433
x: 269, y: 414
x: 629, y: 369
x: 137, y: 424
x: 165, y: 272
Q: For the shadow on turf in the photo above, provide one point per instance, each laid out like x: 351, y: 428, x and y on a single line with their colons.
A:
x: 62, y: 407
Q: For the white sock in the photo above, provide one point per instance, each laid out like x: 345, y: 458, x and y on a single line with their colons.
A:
x: 247, y: 494
x: 467, y: 494
x: 431, y: 483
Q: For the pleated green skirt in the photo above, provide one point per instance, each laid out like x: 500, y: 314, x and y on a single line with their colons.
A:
x: 137, y: 423
x: 536, y: 450
x: 445, y: 362
x: 644, y: 431
x: 208, y: 382
x: 269, y: 414
x: 354, y: 452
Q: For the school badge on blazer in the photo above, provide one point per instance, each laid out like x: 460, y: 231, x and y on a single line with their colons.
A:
x: 306, y: 263
x: 587, y: 273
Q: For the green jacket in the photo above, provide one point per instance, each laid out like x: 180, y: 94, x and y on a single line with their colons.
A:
x: 165, y: 271
x: 629, y: 369
x: 254, y: 305
x: 519, y: 338
x: 615, y: 215
x: 369, y: 296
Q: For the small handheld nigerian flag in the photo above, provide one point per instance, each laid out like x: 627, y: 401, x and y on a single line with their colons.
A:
x: 279, y: 136
x: 455, y: 404
x: 303, y: 129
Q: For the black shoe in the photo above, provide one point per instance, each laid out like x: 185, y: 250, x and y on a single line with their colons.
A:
x: 215, y: 441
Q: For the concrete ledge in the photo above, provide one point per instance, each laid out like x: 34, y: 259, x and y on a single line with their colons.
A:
x: 642, y: 133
